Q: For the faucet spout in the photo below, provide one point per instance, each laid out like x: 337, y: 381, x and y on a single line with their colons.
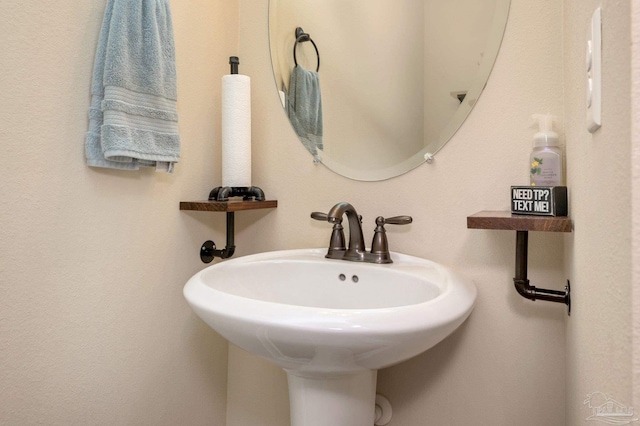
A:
x: 356, y: 248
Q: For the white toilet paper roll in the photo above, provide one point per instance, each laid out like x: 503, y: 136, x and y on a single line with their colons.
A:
x: 236, y: 130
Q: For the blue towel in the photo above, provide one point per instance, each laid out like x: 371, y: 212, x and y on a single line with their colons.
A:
x: 133, y: 119
x: 304, y: 107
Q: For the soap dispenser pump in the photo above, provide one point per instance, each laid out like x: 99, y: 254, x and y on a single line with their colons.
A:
x: 546, y: 163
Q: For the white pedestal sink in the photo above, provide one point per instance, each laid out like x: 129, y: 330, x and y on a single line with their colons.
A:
x: 331, y: 324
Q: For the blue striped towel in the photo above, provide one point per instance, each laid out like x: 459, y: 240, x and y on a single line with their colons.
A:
x: 133, y: 119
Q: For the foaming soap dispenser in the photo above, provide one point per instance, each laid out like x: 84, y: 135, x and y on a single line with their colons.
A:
x: 546, y: 160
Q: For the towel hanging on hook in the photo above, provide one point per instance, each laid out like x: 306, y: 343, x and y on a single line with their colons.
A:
x: 301, y: 37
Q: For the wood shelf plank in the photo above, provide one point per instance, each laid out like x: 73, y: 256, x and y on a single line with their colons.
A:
x: 227, y: 206
x: 505, y: 220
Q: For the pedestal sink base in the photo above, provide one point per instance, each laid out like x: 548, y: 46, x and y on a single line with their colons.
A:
x: 340, y: 400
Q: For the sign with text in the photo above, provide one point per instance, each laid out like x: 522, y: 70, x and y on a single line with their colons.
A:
x: 539, y: 200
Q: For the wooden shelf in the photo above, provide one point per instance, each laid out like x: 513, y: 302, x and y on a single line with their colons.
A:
x: 507, y: 221
x: 227, y: 206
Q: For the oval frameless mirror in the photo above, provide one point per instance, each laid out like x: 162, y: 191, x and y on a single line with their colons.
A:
x: 396, y: 78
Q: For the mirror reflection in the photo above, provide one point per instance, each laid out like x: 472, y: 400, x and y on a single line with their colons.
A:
x: 396, y: 79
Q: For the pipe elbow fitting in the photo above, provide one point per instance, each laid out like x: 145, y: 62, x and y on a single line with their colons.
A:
x: 524, y: 289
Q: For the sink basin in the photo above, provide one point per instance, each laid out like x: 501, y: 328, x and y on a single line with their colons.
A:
x: 331, y: 324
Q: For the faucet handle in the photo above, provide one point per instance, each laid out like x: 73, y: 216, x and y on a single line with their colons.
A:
x: 337, y: 244
x: 325, y: 217
x: 379, y: 245
x: 319, y: 216
x: 396, y: 220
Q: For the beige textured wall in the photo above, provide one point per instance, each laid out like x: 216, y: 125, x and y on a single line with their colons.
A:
x: 635, y: 200
x: 93, y: 326
x: 599, y: 251
x: 487, y: 373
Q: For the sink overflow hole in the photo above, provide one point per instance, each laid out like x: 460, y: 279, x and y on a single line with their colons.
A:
x: 342, y: 277
x: 355, y: 279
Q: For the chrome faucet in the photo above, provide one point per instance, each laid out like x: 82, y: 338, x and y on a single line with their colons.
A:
x: 357, y: 251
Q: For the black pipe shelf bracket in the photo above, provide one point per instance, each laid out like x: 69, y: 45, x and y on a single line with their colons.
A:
x: 208, y: 250
x: 522, y: 224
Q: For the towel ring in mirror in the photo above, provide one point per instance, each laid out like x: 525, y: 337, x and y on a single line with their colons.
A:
x: 301, y: 37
